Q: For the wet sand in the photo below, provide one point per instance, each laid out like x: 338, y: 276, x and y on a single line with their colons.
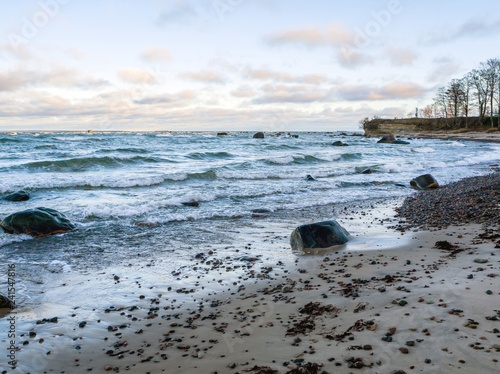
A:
x: 386, y: 302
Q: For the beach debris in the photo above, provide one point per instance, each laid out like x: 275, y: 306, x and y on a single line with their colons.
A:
x: 308, y: 368
x: 17, y: 196
x: 316, y: 309
x: 424, y: 182
x: 37, y: 222
x: 318, y: 235
x: 261, y: 370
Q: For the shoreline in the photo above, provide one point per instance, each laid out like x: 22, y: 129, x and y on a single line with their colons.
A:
x: 248, y: 320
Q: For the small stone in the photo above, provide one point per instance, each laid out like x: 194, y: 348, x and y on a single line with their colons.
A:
x: 410, y: 343
x: 367, y: 347
x: 404, y: 350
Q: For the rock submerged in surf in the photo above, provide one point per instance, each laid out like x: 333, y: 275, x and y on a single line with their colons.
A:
x: 37, y: 222
x: 258, y: 135
x: 318, y: 235
x: 391, y: 140
x: 424, y: 182
x: 338, y: 143
x: 17, y: 196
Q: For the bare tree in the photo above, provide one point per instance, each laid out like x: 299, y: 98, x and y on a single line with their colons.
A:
x: 455, y: 96
x: 481, y: 92
x: 490, y: 76
x: 467, y: 83
x: 441, y: 101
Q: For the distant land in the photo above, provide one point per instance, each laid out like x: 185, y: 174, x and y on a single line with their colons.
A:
x: 459, y: 128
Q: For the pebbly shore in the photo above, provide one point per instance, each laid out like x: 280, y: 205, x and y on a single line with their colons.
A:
x: 470, y: 200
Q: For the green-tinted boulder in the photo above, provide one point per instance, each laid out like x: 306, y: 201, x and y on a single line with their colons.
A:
x: 318, y: 235
x: 17, y: 196
x: 36, y: 222
x: 424, y: 182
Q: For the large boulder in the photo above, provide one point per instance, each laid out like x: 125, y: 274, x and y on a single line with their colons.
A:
x: 318, y: 235
x: 259, y: 135
x: 387, y: 138
x: 424, y: 182
x: 17, y: 196
x: 36, y: 222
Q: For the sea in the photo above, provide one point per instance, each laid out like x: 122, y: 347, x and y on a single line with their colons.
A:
x: 127, y: 192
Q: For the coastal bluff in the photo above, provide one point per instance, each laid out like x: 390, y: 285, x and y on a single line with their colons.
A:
x: 404, y: 126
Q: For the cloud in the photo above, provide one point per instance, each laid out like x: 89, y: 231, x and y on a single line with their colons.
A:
x: 335, y: 34
x: 393, y: 90
x: 136, y: 76
x: 207, y: 76
x: 185, y: 11
x: 56, y: 77
x: 20, y: 52
x: 445, y: 69
x: 401, y: 56
x: 278, y: 76
x: 471, y: 28
x: 349, y: 58
x: 299, y: 94
x: 243, y: 91
x: 156, y: 54
x: 166, y: 98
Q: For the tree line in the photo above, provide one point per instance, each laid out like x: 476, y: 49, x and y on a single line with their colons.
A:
x: 476, y: 94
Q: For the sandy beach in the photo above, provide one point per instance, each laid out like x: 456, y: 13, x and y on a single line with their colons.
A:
x: 386, y: 302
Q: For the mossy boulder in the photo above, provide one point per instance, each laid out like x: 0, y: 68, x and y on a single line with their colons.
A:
x: 424, y: 182
x: 17, y: 196
x: 318, y: 235
x: 36, y: 222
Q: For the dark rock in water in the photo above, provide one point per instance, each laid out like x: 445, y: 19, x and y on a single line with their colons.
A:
x: 318, y: 235
x: 391, y: 139
x: 17, y: 196
x: 387, y: 139
x: 6, y: 305
x: 424, y: 182
x: 400, y: 185
x: 310, y: 178
x: 338, y: 143
x: 191, y: 203
x: 261, y: 210
x: 258, y: 135
x: 36, y: 222
x: 366, y: 171
x: 295, y: 136
x: 259, y: 215
x: 221, y: 133
x: 6, y: 302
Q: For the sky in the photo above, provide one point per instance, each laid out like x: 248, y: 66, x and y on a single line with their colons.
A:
x: 214, y: 65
